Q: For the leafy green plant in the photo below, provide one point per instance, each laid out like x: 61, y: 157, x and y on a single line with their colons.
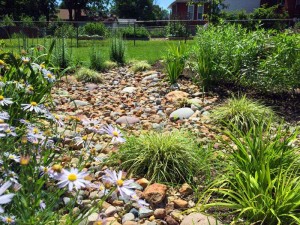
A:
x: 242, y: 113
x: 7, y: 21
x: 138, y: 66
x: 65, y: 31
x: 88, y: 75
x: 117, y: 50
x: 175, y: 61
x: 177, y: 29
x: 61, y: 54
x: 110, y: 65
x: 163, y: 157
x: 96, y: 60
x: 140, y: 32
x: 158, y: 33
x: 95, y: 29
x: 261, y: 184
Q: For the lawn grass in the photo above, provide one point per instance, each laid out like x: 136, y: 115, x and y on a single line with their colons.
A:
x: 151, y: 51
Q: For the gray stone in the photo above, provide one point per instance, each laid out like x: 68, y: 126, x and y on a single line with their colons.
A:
x: 127, y: 120
x: 129, y: 90
x: 200, y: 219
x: 91, y: 86
x: 66, y: 200
x: 144, y: 212
x: 111, y: 210
x: 182, y: 113
x: 205, y: 113
x: 79, y: 103
x: 93, y: 217
x: 135, y: 212
x: 150, y: 77
x: 128, y: 217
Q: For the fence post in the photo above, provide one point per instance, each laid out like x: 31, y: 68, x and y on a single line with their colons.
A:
x: 134, y: 32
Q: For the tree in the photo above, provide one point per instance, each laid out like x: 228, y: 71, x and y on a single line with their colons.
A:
x: 214, y: 8
x: 159, y: 13
x: 134, y: 9
x: 78, y: 5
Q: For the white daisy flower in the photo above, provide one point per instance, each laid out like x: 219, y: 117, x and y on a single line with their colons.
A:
x: 115, y: 133
x: 5, y: 101
x: 8, y: 219
x: 4, y: 199
x: 33, y: 106
x: 49, y: 76
x: 80, y: 140
x: 73, y: 178
x: 25, y: 60
x: 4, y: 115
x: 12, y: 157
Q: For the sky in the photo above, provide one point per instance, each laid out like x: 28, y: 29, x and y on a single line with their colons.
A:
x: 163, y: 3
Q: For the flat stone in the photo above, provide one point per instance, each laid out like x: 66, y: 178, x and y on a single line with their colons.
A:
x: 155, y: 193
x: 91, y: 86
x: 171, y: 221
x: 144, y: 212
x: 200, y: 219
x: 175, y: 96
x: 127, y: 120
x: 182, y: 113
x: 111, y: 210
x: 180, y: 203
x: 160, y: 213
x: 130, y: 223
x: 129, y: 90
x: 185, y: 189
x: 150, y: 77
x: 79, y: 103
x: 128, y: 217
x: 93, y: 217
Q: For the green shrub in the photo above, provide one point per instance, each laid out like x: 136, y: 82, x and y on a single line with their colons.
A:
x: 110, y: 65
x: 88, y: 75
x: 26, y: 21
x: 261, y: 184
x: 138, y: 66
x: 163, y: 157
x: 95, y: 29
x: 7, y: 21
x: 140, y: 32
x: 96, y: 60
x: 242, y: 113
x: 117, y: 50
x: 177, y: 29
x: 158, y: 33
x: 61, y: 54
x: 65, y: 31
x: 175, y: 61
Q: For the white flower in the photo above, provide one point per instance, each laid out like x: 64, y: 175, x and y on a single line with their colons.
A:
x: 25, y: 59
x: 73, y: 178
x: 33, y: 106
x: 2, y: 64
x: 8, y: 131
x: 8, y: 219
x: 4, y: 115
x: 114, y: 133
x: 123, y: 186
x: 5, y: 101
x: 12, y: 157
x: 139, y: 201
x: 80, y: 140
x: 48, y: 75
x: 42, y: 205
x: 4, y: 199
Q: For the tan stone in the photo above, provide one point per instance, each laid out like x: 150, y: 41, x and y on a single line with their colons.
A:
x: 155, y: 193
x: 175, y: 96
x: 180, y: 203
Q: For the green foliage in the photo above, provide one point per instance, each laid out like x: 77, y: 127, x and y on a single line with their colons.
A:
x: 95, y: 29
x: 65, y: 30
x: 110, y: 65
x: 163, y: 157
x: 264, y: 60
x: 96, y: 60
x: 88, y: 75
x: 242, y: 113
x: 117, y: 50
x: 7, y: 21
x: 140, y: 32
x: 261, y: 184
x: 61, y: 54
x: 26, y: 21
x: 175, y: 61
x: 138, y: 66
x: 177, y: 29
x: 158, y: 33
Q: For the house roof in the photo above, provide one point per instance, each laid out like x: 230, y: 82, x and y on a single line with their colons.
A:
x: 178, y: 1
x: 63, y: 14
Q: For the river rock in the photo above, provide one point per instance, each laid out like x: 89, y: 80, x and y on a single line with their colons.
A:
x: 182, y: 113
x: 200, y: 219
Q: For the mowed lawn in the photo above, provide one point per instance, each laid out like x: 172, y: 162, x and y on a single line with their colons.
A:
x: 151, y: 51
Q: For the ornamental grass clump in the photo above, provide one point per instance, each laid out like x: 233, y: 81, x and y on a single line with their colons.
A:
x: 261, y: 184
x: 117, y: 50
x: 138, y: 66
x: 242, y: 113
x: 88, y: 75
x: 163, y: 157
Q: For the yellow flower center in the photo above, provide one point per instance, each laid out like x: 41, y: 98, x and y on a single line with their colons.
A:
x: 72, y: 177
x: 45, y: 170
x: 1, y: 97
x: 120, y: 183
x: 1, y: 121
x: 24, y: 140
x: 84, y: 138
x: 49, y: 75
x: 9, y: 220
x: 33, y: 103
x: 42, y: 65
x: 97, y: 223
x: 30, y: 88
x: 57, y: 168
x: 11, y: 157
x: 2, y: 62
x: 101, y: 188
x: 24, y: 160
x: 35, y: 131
x: 8, y: 131
x: 115, y: 133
